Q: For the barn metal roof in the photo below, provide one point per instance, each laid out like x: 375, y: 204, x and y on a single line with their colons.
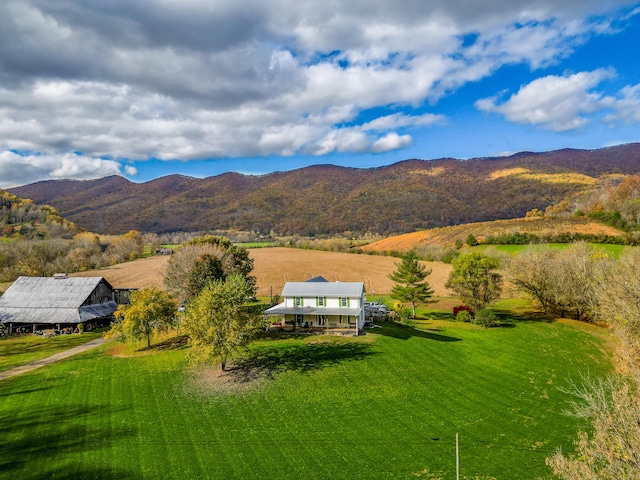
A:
x: 324, y: 289
x: 52, y: 300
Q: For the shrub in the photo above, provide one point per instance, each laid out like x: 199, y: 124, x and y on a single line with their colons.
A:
x: 460, y: 308
x: 401, y: 314
x: 450, y: 255
x: 485, y: 317
x: 463, y: 316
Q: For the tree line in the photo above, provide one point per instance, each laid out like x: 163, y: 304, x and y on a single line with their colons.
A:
x: 590, y: 285
x: 84, y: 251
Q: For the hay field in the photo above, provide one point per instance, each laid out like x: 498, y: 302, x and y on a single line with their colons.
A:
x: 275, y: 266
x: 141, y: 273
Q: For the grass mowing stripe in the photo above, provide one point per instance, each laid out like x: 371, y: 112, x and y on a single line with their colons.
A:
x: 363, y: 408
x: 16, y: 351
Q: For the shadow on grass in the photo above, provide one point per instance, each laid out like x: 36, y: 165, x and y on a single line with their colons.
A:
x: 174, y: 343
x: 76, y: 471
x: 24, y: 391
x: 404, y: 332
x: 266, y: 361
x: 35, y: 442
x: 510, y: 318
x: 436, y: 315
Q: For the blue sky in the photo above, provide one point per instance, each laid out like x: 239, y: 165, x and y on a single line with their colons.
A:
x: 146, y: 89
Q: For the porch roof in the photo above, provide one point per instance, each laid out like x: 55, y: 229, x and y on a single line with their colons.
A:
x: 282, y: 309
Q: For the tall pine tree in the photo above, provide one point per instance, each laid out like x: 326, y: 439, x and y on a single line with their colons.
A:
x: 411, y: 285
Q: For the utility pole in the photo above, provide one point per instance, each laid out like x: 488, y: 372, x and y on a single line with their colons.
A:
x: 457, y: 458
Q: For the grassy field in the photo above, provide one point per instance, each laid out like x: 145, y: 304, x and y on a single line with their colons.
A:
x: 16, y: 351
x: 613, y: 250
x: 315, y: 407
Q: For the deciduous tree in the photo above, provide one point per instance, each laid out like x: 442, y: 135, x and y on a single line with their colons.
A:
x: 411, y: 285
x: 218, y: 322
x: 206, y: 269
x: 532, y: 271
x: 234, y: 260
x: 475, y: 279
x: 611, y: 450
x: 151, y: 311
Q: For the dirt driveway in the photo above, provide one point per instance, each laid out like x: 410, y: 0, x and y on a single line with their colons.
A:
x: 49, y: 360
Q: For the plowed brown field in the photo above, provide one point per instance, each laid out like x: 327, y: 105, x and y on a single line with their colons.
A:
x: 275, y: 266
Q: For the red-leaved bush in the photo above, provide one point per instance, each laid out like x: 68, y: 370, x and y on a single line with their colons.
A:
x: 459, y: 308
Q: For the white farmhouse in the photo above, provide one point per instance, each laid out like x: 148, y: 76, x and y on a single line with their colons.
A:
x: 321, y: 305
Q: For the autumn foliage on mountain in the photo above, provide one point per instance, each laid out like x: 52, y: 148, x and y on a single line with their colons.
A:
x: 24, y: 219
x: 324, y: 199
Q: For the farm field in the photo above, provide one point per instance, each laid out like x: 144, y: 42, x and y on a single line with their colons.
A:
x: 446, y: 236
x: 141, y: 273
x: 315, y: 407
x: 275, y: 266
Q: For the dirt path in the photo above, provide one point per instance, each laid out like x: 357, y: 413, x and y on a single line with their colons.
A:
x: 49, y: 360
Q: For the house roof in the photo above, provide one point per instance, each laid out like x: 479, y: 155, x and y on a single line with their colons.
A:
x: 52, y: 300
x: 317, y: 279
x: 323, y: 289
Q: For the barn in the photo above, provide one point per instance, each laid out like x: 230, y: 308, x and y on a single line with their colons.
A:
x: 58, y: 302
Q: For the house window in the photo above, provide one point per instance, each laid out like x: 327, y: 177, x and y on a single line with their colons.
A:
x: 297, y: 301
x: 344, y: 302
x: 321, y: 301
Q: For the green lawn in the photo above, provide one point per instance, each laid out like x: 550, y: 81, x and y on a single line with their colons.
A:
x: 256, y: 244
x: 322, y: 407
x: 18, y: 350
x: 614, y: 250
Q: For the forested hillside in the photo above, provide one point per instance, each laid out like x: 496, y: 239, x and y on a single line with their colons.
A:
x: 410, y: 195
x: 21, y: 218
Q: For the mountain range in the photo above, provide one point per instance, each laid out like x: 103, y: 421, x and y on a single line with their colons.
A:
x: 327, y: 199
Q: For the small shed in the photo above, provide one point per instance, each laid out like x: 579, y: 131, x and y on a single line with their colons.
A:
x: 57, y: 302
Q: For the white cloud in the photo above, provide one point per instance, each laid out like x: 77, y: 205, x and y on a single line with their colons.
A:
x: 552, y: 102
x: 399, y: 120
x: 201, y: 79
x: 130, y: 171
x: 18, y: 169
x: 627, y: 108
x: 391, y: 141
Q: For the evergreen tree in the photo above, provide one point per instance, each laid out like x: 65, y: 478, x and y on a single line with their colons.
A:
x: 411, y: 285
